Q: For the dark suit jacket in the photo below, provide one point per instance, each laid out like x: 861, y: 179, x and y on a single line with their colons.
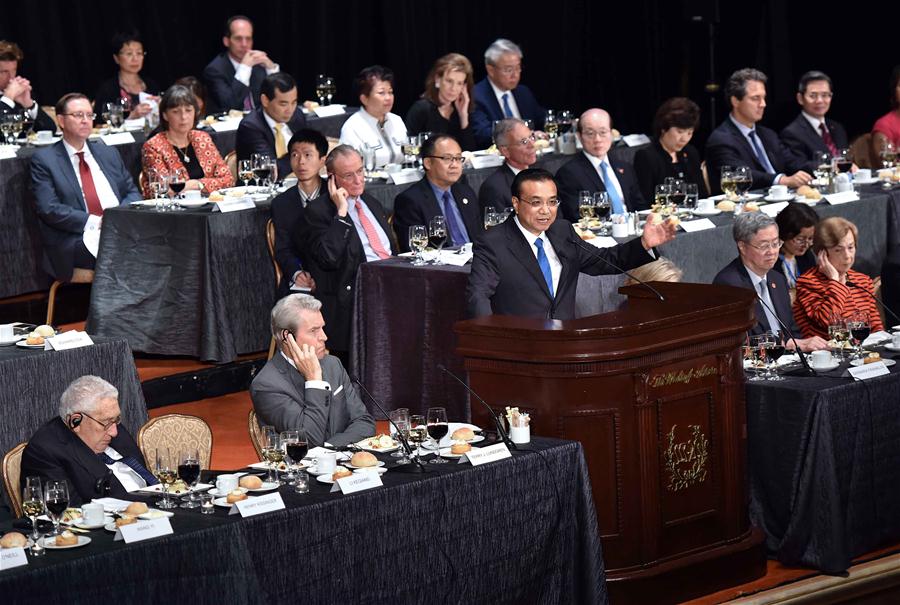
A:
x: 41, y: 122
x: 488, y: 110
x: 255, y: 136
x: 579, y: 175
x: 726, y: 146
x: 807, y: 261
x: 802, y: 140
x: 54, y: 452
x: 735, y: 274
x: 224, y: 91
x: 60, y: 202
x: 506, y: 279
x: 496, y: 190
x: 417, y: 205
x: 287, y: 208
x: 653, y: 164
x: 333, y: 252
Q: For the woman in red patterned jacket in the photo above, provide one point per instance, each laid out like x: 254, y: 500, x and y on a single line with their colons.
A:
x: 832, y: 289
x: 179, y: 145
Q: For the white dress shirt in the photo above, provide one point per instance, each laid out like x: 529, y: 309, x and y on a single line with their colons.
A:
x: 555, y: 264
x: 611, y: 174
x: 362, y: 127
x: 108, y: 198
x: 285, y: 132
x: 30, y: 112
x: 129, y: 479
x: 509, y: 97
x: 816, y: 123
x: 309, y: 384
x: 243, y: 72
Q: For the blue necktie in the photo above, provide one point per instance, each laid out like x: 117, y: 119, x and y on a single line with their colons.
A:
x: 458, y: 235
x: 133, y: 464
x: 507, y: 110
x: 760, y: 154
x: 614, y: 198
x: 544, y: 264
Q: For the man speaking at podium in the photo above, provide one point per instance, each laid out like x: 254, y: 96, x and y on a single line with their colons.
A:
x: 529, y: 265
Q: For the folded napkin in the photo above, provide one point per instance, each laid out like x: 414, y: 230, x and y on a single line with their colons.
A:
x: 876, y: 338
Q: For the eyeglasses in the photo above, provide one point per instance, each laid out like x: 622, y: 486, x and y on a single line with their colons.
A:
x: 766, y: 246
x: 815, y: 96
x: 522, y: 142
x: 510, y: 70
x: 80, y: 115
x: 602, y: 133
x: 106, y: 425
x: 802, y: 241
x: 349, y: 175
x: 539, y: 203
x: 448, y: 159
x: 132, y: 54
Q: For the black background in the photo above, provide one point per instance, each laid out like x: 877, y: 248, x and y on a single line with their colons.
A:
x: 626, y: 57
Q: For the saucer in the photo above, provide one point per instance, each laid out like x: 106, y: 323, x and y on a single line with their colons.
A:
x: 824, y: 368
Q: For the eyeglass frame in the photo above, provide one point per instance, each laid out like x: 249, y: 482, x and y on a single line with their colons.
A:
x: 80, y: 115
x: 106, y: 425
x: 448, y: 159
x: 776, y: 245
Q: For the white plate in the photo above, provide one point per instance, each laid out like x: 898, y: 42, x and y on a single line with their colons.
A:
x: 155, y: 513
x: 376, y: 469
x: 223, y: 502
x: 447, y: 442
x: 215, y: 492
x: 267, y: 486
x: 824, y: 368
x: 83, y: 525
x: 747, y: 198
x: 49, y: 543
x: 14, y: 339
x: 891, y: 347
x: 363, y: 446
x: 349, y: 465
x: 22, y: 344
x: 887, y: 362
x: 196, y: 203
x: 868, y: 181
x: 325, y: 479
x: 446, y: 453
x: 786, y: 198
x: 713, y: 212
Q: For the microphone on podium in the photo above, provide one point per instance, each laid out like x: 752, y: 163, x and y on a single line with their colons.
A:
x: 807, y: 369
x: 878, y: 300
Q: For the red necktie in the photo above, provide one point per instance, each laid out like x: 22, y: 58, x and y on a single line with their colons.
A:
x: 371, y: 232
x: 87, y: 186
x: 826, y: 137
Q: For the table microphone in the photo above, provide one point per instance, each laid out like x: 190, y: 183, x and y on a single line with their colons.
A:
x: 509, y: 444
x: 883, y: 306
x: 597, y: 256
x: 415, y: 468
x: 807, y: 370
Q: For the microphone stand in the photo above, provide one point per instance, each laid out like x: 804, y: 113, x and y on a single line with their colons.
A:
x: 509, y: 444
x: 597, y: 256
x: 807, y: 370
x: 883, y: 306
x: 416, y: 467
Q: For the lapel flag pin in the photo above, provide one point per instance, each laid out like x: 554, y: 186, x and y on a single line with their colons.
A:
x: 465, y: 200
x: 773, y: 285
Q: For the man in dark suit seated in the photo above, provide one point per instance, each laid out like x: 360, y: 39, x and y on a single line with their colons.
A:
x: 439, y: 192
x: 500, y: 95
x: 515, y: 141
x: 811, y: 132
x: 302, y: 386
x: 234, y: 77
x: 741, y: 141
x: 756, y: 235
x: 87, y: 447
x: 74, y: 180
x: 269, y: 127
x: 529, y: 264
x: 307, y: 156
x: 337, y: 234
x: 595, y: 169
x: 16, y: 90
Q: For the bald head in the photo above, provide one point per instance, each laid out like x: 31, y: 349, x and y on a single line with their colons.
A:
x: 595, y: 132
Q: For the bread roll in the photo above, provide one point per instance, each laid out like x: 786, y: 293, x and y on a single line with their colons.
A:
x: 136, y: 508
x: 460, y: 448
x: 44, y: 330
x: 340, y: 473
x: 872, y: 358
x: 363, y: 459
x: 250, y: 482
x: 13, y: 539
x: 235, y: 496
x: 725, y: 206
x: 751, y: 207
x: 463, y: 434
x: 674, y: 220
x: 215, y: 196
x: 66, y: 538
x: 34, y: 339
x: 126, y: 520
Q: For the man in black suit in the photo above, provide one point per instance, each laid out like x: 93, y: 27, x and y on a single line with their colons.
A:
x: 234, y: 77
x: 16, y: 90
x: 337, y: 234
x: 529, y: 264
x: 307, y: 156
x: 756, y: 235
x: 811, y: 132
x: 741, y: 141
x: 87, y: 447
x: 595, y: 169
x: 515, y: 141
x: 269, y: 127
x: 439, y: 192
x: 500, y: 95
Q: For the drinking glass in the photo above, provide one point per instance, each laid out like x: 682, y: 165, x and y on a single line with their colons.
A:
x: 437, y: 430
x: 888, y: 154
x: 260, y: 162
x: 33, y: 503
x: 295, y: 449
x: 842, y: 161
x: 400, y: 417
x: 56, y: 499
x: 437, y: 236
x: 838, y: 333
x: 822, y: 161
x: 301, y: 482
x: 368, y: 154
x: 272, y: 177
x: 601, y: 210
x: 418, y: 239
x: 691, y: 195
x: 661, y: 198
x: 272, y: 452
x: 491, y: 217
x: 564, y: 121
x: 858, y: 325
x: 774, y: 344
x: 245, y: 171
x: 116, y: 115
x: 177, y: 180
x: 751, y: 354
x: 189, y: 472
x: 726, y: 182
x: 676, y: 191
x: 551, y: 124
x: 417, y: 431
x: 325, y: 89
x: 165, y: 470
x: 586, y: 208
x: 743, y: 180
x: 410, y: 149
x: 763, y: 342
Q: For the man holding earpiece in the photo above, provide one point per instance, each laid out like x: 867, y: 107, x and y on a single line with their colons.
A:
x: 87, y: 446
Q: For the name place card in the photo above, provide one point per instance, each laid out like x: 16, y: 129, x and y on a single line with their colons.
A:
x: 868, y: 370
x: 842, y: 198
x: 635, y: 140
x: 118, y: 138
x: 326, y: 111
x: 486, y: 161
x: 602, y: 241
x: 257, y: 506
x: 144, y: 530
x: 238, y: 203
x: 698, y: 225
x: 226, y: 125
x: 403, y: 177
x: 773, y: 209
x: 483, y: 455
x: 73, y: 339
x: 12, y: 557
x: 357, y: 483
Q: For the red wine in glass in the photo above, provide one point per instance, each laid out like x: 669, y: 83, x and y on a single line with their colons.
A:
x: 189, y: 472
x: 57, y: 505
x: 843, y: 165
x: 437, y: 431
x: 297, y: 451
x: 177, y: 186
x: 860, y: 333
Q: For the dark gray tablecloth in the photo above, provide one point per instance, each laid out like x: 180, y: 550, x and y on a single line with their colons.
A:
x: 824, y: 465
x: 521, y: 530
x: 31, y: 382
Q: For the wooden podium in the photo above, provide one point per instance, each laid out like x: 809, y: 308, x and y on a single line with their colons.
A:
x: 655, y: 394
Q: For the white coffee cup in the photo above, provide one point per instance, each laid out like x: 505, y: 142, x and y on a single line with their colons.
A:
x: 193, y: 194
x: 6, y: 332
x: 706, y: 205
x: 520, y: 434
x: 92, y: 513
x: 326, y: 463
x: 895, y: 340
x: 820, y: 359
x: 863, y: 174
x: 44, y: 135
x: 778, y: 191
x: 620, y: 230
x: 226, y: 483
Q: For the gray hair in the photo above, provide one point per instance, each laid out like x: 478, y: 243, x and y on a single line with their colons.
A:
x: 340, y: 151
x: 736, y: 86
x: 746, y: 225
x: 286, y: 312
x: 502, y: 129
x: 500, y: 47
x: 84, y: 394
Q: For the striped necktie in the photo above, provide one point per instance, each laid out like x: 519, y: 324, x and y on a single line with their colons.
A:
x: 133, y: 464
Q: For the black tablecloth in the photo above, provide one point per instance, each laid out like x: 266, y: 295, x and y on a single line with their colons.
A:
x: 521, y: 530
x: 31, y: 382
x: 824, y: 464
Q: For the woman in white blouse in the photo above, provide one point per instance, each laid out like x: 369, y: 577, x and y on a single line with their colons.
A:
x: 374, y: 124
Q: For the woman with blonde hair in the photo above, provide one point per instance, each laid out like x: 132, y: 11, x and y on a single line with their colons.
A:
x: 446, y: 105
x: 662, y: 269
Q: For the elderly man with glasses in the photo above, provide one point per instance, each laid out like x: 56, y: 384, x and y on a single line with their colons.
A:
x: 87, y: 447
x: 756, y: 235
x: 74, y: 181
x: 529, y: 264
x: 515, y: 141
x: 440, y: 192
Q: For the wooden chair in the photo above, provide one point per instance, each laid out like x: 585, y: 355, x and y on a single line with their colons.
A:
x: 79, y: 276
x: 12, y: 473
x: 176, y: 432
x: 270, y: 242
x: 862, y: 153
x: 231, y: 162
x: 705, y: 172
x: 256, y: 435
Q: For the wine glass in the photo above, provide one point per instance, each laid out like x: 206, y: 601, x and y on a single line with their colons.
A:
x: 272, y: 176
x: 325, y: 89
x: 245, y: 171
x: 33, y: 503
x: 418, y: 239
x: 822, y: 162
x: 842, y: 161
x: 691, y: 195
x: 400, y: 418
x: 296, y: 447
x: 116, y: 115
x: 368, y: 154
x: 260, y: 166
x: 491, y: 217
x: 859, y: 327
x: 417, y: 431
x: 437, y: 236
x: 564, y: 121
x: 437, y: 430
x: 177, y: 180
x: 56, y: 499
x: 189, y: 471
x: 410, y: 149
x: 751, y: 354
x: 272, y: 452
x: 661, y: 195
x: 726, y: 182
x: 774, y: 351
x: 551, y: 124
x: 888, y: 154
x: 838, y: 333
x: 166, y: 472
x: 602, y: 209
x: 586, y: 208
x: 743, y: 180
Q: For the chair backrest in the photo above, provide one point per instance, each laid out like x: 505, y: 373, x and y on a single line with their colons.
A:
x: 231, y: 162
x: 270, y: 242
x: 12, y: 473
x: 861, y: 152
x: 705, y: 171
x: 176, y: 432
x: 256, y: 434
